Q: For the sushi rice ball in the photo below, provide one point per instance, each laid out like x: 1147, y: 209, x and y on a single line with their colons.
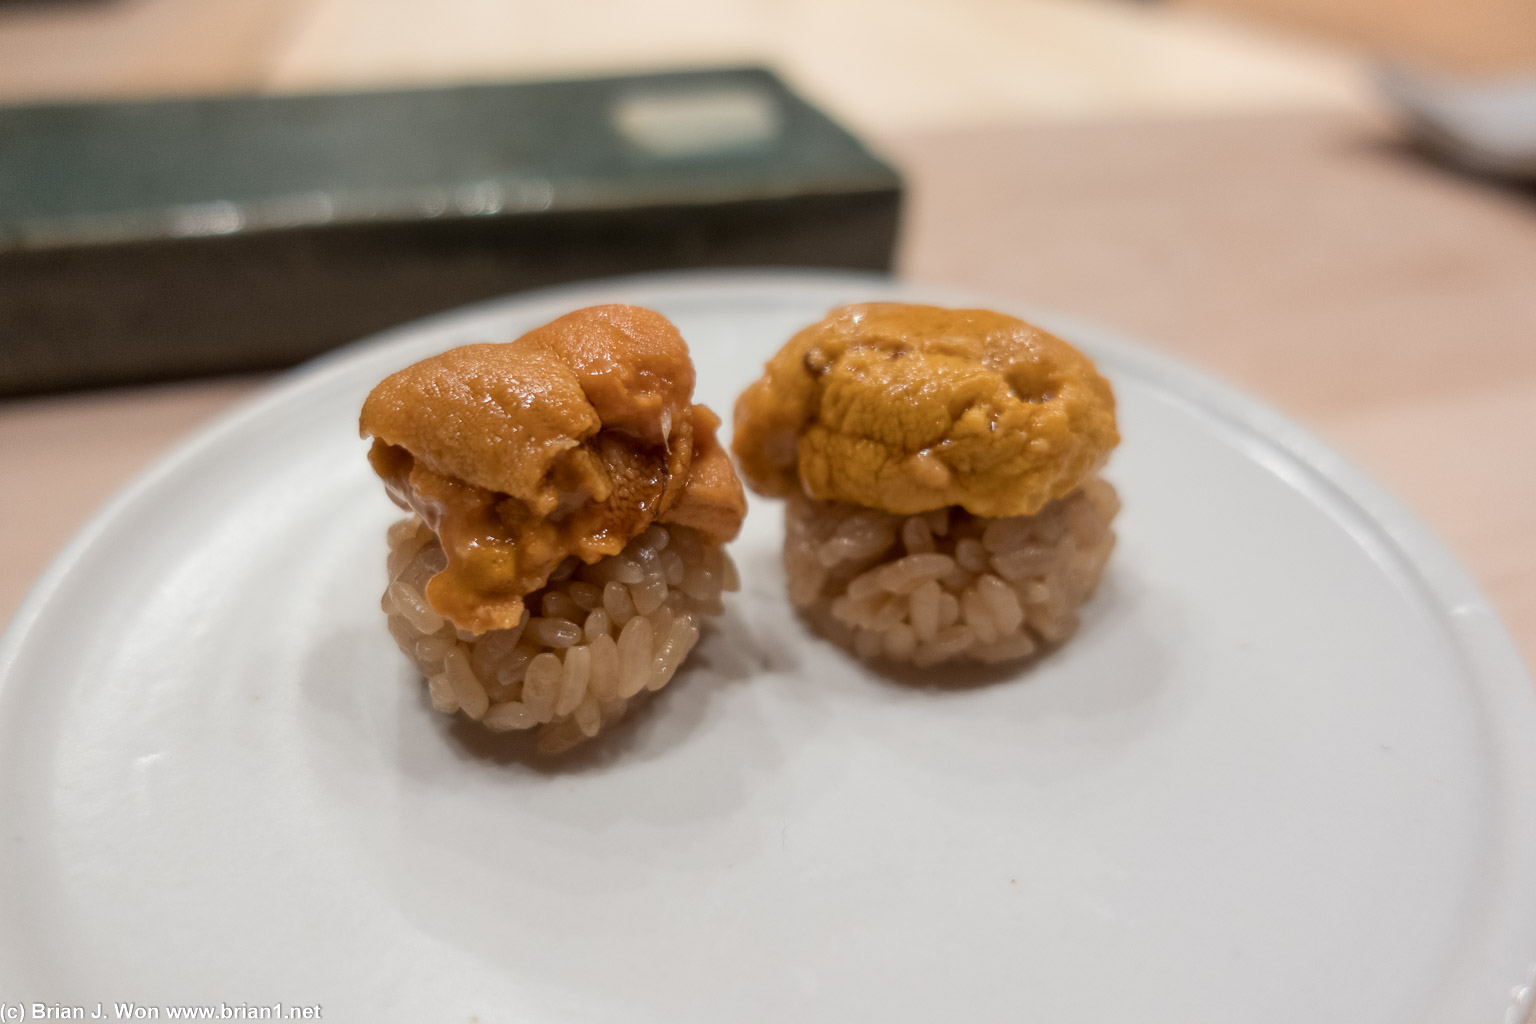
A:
x: 568, y: 507
x: 940, y: 470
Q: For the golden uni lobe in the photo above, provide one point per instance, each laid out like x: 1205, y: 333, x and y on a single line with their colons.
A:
x: 909, y: 408
x: 565, y: 443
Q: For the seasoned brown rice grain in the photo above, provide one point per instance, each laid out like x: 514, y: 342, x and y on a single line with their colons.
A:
x: 946, y: 585
x: 568, y: 671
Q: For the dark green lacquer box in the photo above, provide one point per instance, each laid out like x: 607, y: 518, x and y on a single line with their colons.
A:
x: 159, y: 239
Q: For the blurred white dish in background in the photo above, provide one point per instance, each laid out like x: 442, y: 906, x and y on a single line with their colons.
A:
x: 1283, y: 773
x: 1487, y: 126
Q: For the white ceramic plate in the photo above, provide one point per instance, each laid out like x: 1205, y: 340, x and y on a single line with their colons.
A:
x: 1284, y: 773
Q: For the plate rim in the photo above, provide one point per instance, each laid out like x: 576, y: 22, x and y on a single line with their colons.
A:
x: 1483, y: 644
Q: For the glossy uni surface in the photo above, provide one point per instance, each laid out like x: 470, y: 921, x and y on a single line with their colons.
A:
x: 563, y: 443
x: 906, y: 407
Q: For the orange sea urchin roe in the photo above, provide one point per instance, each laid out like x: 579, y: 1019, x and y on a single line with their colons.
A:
x: 566, y: 442
x: 908, y: 408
